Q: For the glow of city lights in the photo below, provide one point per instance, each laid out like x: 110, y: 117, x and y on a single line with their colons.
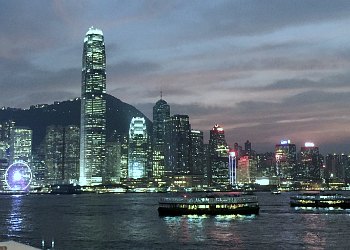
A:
x: 284, y: 142
x: 309, y: 144
x: 232, y: 153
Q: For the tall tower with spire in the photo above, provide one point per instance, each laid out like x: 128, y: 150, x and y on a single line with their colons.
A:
x: 93, y: 110
x: 161, y: 115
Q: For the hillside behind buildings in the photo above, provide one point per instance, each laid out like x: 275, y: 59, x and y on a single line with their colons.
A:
x: 40, y: 116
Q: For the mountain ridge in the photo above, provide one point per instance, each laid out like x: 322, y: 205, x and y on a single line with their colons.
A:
x: 38, y: 117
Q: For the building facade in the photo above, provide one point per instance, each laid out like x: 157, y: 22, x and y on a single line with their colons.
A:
x: 246, y: 169
x: 93, y: 110
x: 311, y: 163
x: 218, y: 150
x: 61, y: 149
x: 161, y: 114
x: 196, y: 152
x: 139, y: 149
x: 21, y: 145
x: 179, y: 144
x: 286, y: 160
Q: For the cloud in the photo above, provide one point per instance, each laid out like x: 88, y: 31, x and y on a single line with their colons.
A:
x: 263, y: 69
x: 253, y: 17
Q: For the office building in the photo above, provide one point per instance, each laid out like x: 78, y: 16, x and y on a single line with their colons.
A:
x: 93, y: 110
x: 310, y: 163
x: 161, y: 114
x: 179, y: 145
x: 336, y: 166
x: 196, y: 152
x: 139, y: 149
x: 61, y: 149
x: 218, y: 151
x: 21, y: 145
x: 286, y: 160
x: 246, y: 169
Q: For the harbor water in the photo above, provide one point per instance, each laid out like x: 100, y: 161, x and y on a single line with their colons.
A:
x: 131, y: 221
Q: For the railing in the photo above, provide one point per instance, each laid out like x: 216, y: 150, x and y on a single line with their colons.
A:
x: 204, y: 200
x: 320, y: 197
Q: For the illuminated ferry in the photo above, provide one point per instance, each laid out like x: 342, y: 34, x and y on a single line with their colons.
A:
x: 320, y: 200
x: 210, y: 205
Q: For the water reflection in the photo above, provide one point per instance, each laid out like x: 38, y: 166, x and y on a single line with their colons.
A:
x: 194, y: 228
x: 321, y: 210
x: 14, y: 220
x: 314, y: 235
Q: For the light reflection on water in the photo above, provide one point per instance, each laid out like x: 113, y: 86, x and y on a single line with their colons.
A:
x: 322, y: 210
x: 313, y: 234
x: 131, y: 221
x: 14, y: 220
x: 200, y: 228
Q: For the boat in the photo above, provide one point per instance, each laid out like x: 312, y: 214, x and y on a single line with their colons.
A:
x: 209, y: 205
x: 65, y: 189
x: 320, y: 200
x: 276, y: 191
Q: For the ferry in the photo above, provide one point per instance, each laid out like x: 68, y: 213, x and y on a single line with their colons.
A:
x: 320, y: 200
x: 210, y: 205
x: 276, y: 191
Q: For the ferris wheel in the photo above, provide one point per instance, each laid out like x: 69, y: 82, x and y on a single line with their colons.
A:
x: 18, y: 176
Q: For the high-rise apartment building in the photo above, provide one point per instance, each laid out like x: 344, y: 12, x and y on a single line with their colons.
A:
x: 93, y: 110
x: 139, y: 149
x: 161, y: 114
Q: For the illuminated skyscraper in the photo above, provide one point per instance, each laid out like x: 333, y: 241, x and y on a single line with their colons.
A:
x: 179, y: 131
x: 310, y: 163
x: 218, y: 157
x: 246, y: 169
x: 196, y: 152
x: 286, y: 159
x: 336, y: 166
x: 138, y: 149
x: 21, y: 145
x: 161, y: 114
x: 93, y: 110
x: 61, y: 149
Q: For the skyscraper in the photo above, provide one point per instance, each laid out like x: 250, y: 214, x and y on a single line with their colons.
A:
x: 138, y: 149
x: 180, y: 130
x: 286, y: 159
x: 21, y: 145
x: 93, y: 110
x: 218, y: 151
x: 61, y: 149
x: 310, y: 163
x: 196, y: 152
x: 161, y: 114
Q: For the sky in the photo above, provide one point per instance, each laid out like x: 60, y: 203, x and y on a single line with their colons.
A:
x: 264, y: 70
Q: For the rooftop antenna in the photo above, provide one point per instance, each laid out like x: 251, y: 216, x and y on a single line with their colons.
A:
x: 161, y: 95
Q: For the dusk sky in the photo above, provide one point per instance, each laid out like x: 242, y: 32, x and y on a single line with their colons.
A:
x: 263, y: 70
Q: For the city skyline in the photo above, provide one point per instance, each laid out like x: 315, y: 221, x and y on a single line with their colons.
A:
x: 263, y: 70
